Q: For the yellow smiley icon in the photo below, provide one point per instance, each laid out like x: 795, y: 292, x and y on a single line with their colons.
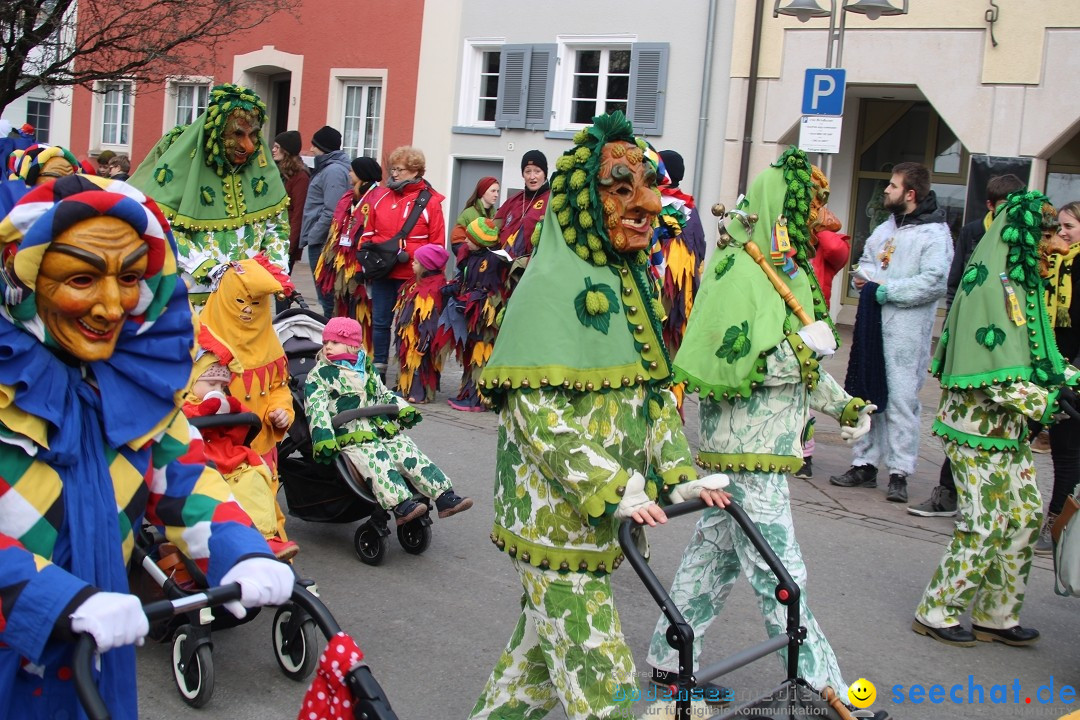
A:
x: 862, y: 693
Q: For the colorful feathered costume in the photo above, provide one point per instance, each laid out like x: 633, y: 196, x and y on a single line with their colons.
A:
x: 88, y: 450
x: 417, y: 311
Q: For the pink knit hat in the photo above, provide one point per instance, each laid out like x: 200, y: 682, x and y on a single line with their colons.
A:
x: 431, y: 256
x: 343, y: 330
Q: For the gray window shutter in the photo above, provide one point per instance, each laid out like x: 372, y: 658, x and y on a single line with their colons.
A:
x: 513, y: 85
x: 541, y: 82
x: 648, y: 85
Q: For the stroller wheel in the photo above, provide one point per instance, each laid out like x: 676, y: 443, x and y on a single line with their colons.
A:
x: 370, y: 544
x: 195, y: 677
x: 295, y: 648
x: 414, y: 536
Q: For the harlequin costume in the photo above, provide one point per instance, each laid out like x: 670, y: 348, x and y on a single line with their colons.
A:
x: 757, y: 380
x: 416, y: 319
x: 469, y: 323
x: 89, y: 450
x: 28, y: 168
x: 999, y: 365
x: 219, y: 212
x: 250, y: 348
x: 581, y: 380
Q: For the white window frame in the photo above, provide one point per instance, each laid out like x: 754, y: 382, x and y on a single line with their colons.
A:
x: 172, y: 96
x: 472, y: 65
x: 340, y: 81
x: 97, y: 119
x: 36, y: 123
x: 563, y: 93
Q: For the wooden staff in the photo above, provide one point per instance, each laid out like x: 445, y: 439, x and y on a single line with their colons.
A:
x: 836, y: 703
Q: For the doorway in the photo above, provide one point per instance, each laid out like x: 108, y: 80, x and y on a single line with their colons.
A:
x: 467, y: 172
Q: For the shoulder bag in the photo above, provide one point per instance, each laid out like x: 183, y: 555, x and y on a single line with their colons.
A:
x: 377, y: 259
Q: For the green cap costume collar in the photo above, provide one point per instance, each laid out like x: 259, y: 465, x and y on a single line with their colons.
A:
x: 738, y: 316
x: 997, y: 330
x: 194, y: 183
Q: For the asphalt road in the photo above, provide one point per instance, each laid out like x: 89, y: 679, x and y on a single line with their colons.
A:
x: 433, y: 625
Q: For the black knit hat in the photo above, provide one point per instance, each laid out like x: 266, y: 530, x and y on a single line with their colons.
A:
x: 289, y: 141
x: 534, y: 157
x: 326, y: 139
x: 675, y: 167
x: 367, y: 168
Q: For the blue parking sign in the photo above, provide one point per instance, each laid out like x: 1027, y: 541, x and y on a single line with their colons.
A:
x: 823, y: 91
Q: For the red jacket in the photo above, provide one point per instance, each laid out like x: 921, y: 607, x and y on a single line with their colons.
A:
x: 389, y: 210
x: 831, y: 257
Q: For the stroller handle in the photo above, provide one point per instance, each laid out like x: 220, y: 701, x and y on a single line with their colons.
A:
x: 368, y: 695
x: 207, y: 422
x: 681, y: 636
x: 372, y: 411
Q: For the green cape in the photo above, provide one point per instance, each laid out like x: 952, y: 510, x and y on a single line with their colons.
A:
x: 981, y: 344
x: 738, y: 316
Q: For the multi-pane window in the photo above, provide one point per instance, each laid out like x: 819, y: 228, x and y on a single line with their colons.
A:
x: 39, y: 114
x: 362, y: 120
x: 601, y: 83
x: 489, y: 86
x: 191, y: 101
x: 116, y: 114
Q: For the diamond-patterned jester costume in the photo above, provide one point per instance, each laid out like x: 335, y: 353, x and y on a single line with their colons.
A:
x: 88, y: 450
x: 219, y: 212
x: 757, y: 381
x: 999, y: 365
x: 581, y: 379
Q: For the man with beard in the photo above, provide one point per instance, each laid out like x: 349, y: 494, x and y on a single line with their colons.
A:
x: 219, y: 189
x: 589, y: 432
x: 901, y: 276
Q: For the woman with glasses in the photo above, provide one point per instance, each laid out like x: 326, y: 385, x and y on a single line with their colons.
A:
x: 390, y: 209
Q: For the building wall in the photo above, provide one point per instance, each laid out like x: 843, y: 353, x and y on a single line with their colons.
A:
x: 379, y: 38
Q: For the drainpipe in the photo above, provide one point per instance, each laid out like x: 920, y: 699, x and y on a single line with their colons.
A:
x: 751, y: 98
x: 706, y: 84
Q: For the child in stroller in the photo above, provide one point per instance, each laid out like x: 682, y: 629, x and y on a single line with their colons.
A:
x: 344, y: 379
x: 246, y: 472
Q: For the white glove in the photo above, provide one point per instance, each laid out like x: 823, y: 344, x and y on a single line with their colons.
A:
x: 861, y: 427
x: 634, y: 497
x: 819, y: 337
x: 692, y: 490
x: 263, y: 581
x: 114, y: 619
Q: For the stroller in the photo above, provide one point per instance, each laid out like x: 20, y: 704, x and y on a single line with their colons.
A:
x: 369, y: 700
x: 794, y: 696
x: 335, y: 493
x: 292, y: 631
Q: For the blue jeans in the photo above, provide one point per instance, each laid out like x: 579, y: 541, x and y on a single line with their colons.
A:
x: 326, y: 300
x: 383, y: 296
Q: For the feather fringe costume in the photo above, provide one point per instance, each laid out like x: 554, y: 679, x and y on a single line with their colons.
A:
x: 682, y: 241
x: 419, y: 305
x: 337, y: 269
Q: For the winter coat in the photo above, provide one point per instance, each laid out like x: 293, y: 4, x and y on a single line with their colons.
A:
x: 389, y: 210
x: 327, y: 184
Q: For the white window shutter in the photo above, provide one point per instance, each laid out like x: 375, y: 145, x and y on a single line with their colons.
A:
x: 648, y: 86
x: 513, y: 86
x: 541, y: 83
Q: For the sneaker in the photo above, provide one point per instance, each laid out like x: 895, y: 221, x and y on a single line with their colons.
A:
x: 1045, y: 544
x: 806, y: 472
x: 856, y: 476
x: 1041, y: 443
x: 897, y: 491
x: 409, y: 510
x: 283, y: 550
x: 711, y: 693
x: 450, y: 503
x: 942, y: 503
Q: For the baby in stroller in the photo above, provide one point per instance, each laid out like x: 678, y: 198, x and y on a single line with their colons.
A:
x: 344, y: 379
x: 246, y: 472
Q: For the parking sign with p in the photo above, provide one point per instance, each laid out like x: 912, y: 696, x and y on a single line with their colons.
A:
x: 823, y: 91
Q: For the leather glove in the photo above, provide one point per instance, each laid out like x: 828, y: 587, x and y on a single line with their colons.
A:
x: 634, y: 498
x: 692, y: 490
x: 114, y: 620
x: 263, y: 581
x: 819, y: 337
x: 1069, y: 402
x: 861, y: 427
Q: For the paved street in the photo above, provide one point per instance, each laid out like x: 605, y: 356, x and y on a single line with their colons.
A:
x: 433, y: 625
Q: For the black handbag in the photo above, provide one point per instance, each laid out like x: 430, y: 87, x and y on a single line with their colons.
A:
x: 377, y: 259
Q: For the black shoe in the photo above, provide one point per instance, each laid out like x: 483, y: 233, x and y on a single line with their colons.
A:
x: 1016, y: 636
x: 806, y: 472
x: 957, y: 635
x: 942, y: 503
x: 897, y: 488
x: 408, y: 511
x: 711, y: 693
x: 857, y: 476
x: 450, y: 503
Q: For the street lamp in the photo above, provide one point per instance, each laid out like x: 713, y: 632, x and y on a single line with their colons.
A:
x: 804, y: 10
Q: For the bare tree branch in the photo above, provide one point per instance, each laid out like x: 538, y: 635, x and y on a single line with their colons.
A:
x: 56, y: 43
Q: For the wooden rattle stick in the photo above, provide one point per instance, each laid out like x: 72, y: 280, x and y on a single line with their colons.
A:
x: 778, y: 284
x: 836, y: 703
